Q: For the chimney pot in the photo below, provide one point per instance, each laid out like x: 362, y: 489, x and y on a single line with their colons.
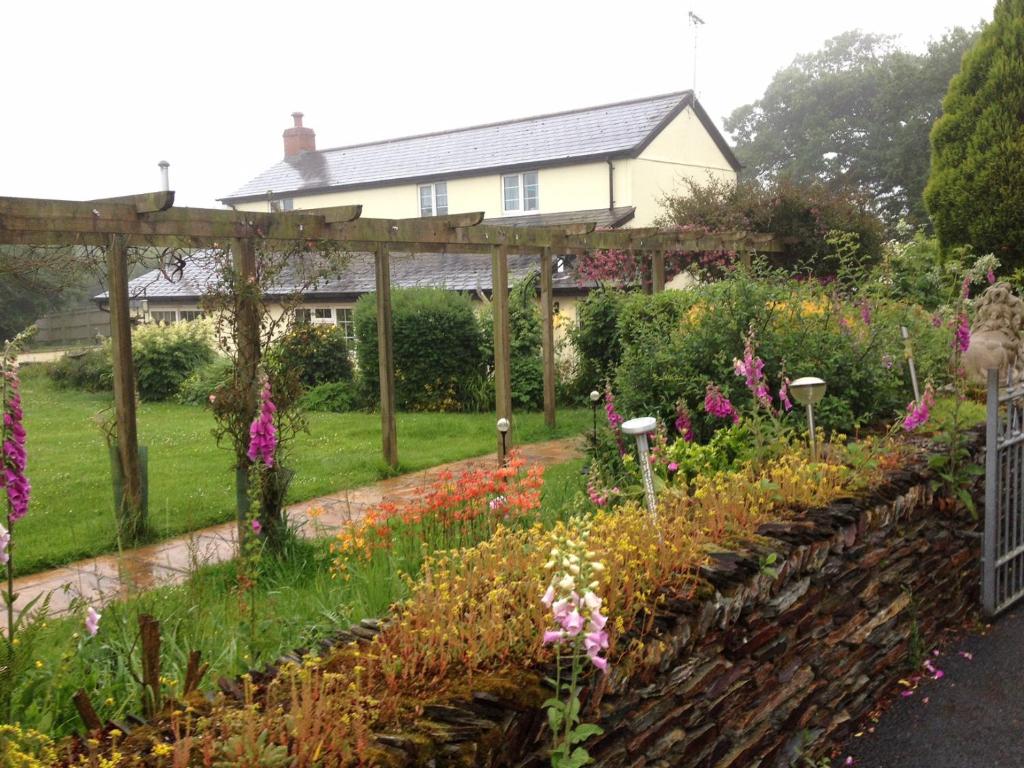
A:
x: 298, y: 139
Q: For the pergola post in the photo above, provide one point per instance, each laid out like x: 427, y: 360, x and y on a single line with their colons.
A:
x: 386, y: 357
x: 132, y: 511
x: 658, y: 271
x: 243, y: 253
x: 547, y: 324
x: 502, y: 347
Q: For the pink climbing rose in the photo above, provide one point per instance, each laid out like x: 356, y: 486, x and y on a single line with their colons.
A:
x: 262, y: 433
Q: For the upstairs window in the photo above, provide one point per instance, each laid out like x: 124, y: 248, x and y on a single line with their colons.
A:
x: 434, y: 199
x: 281, y: 205
x: 520, y: 192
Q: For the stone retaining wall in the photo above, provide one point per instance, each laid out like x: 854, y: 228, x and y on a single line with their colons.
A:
x: 758, y: 670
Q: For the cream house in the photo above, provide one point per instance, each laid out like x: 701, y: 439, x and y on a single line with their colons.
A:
x: 611, y: 164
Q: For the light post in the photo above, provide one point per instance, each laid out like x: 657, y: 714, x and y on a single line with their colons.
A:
x: 503, y: 426
x: 595, y: 396
x: 808, y: 391
x: 640, y: 428
x: 908, y: 351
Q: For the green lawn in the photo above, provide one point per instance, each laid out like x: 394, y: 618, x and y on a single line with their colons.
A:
x: 191, y: 483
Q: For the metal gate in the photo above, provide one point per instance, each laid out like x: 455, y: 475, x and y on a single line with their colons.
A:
x: 1003, y: 546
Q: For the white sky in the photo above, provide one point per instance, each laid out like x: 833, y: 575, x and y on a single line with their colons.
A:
x: 95, y: 93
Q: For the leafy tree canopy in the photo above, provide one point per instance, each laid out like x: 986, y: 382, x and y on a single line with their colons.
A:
x: 976, y: 190
x: 853, y: 116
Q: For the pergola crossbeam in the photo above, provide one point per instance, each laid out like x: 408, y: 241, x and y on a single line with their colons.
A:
x: 150, y: 219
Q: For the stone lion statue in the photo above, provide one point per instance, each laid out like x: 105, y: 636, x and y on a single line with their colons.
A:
x: 996, y: 335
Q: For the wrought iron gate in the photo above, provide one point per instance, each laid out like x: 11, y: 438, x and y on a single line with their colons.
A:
x: 1003, y: 546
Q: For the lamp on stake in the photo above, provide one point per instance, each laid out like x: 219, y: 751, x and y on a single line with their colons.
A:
x: 503, y: 426
x: 641, y: 427
x: 808, y: 391
x: 595, y: 396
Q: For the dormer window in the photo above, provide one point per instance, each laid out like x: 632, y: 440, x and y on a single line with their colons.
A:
x: 434, y: 199
x: 520, y: 192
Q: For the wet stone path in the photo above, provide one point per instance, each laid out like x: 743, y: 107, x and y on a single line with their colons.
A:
x: 101, y: 579
x: 972, y: 717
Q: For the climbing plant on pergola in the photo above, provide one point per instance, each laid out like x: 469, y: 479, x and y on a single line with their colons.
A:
x: 109, y: 229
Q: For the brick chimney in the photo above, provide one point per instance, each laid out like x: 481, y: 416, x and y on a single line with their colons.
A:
x: 298, y: 139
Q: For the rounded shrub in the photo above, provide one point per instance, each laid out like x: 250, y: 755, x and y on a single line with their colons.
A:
x: 91, y: 371
x: 203, y: 382
x: 437, y: 348
x: 333, y: 397
x: 318, y: 354
x: 166, y: 355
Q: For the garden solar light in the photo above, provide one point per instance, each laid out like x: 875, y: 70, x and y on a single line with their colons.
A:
x: 640, y: 428
x: 503, y: 426
x: 807, y: 391
x: 595, y: 396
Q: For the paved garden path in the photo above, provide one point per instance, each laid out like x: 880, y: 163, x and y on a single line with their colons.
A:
x: 973, y: 717
x: 104, y: 578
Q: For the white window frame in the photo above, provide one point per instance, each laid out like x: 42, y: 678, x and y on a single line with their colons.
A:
x: 322, y: 316
x: 172, y: 316
x: 435, y: 210
x: 281, y: 205
x: 345, y: 317
x: 520, y: 203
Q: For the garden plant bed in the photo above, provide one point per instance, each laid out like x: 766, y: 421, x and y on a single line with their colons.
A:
x: 747, y: 664
x: 755, y: 669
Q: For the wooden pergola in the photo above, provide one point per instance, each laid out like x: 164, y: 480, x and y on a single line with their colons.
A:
x: 114, y: 224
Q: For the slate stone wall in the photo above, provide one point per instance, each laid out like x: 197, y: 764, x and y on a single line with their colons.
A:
x: 758, y: 670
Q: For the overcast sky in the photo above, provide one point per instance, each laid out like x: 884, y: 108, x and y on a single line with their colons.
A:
x: 96, y: 93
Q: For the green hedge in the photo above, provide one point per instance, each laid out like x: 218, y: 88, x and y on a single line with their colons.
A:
x: 526, y: 369
x: 437, y: 349
x: 318, y: 354
x: 675, y: 344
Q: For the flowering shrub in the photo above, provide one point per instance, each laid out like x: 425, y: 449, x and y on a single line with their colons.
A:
x: 454, y: 511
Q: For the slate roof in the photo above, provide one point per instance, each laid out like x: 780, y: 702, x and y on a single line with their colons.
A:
x: 454, y: 271
x: 603, y: 217
x: 607, y: 131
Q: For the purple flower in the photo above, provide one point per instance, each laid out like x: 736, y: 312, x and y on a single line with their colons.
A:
x: 92, y: 621
x: 673, y: 466
x: 257, y: 527
x: 918, y: 413
x: 553, y: 636
x: 936, y: 320
x: 865, y: 312
x: 614, y: 420
x: 962, y: 336
x: 684, y: 428
x: 717, y: 404
x: 965, y: 288
x: 991, y: 277
x: 262, y: 433
x: 5, y: 542
x: 14, y: 458
x: 784, y: 395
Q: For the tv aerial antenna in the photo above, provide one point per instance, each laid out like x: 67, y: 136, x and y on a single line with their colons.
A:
x: 696, y: 22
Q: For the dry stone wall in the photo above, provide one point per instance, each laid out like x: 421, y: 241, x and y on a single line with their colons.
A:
x: 759, y: 669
